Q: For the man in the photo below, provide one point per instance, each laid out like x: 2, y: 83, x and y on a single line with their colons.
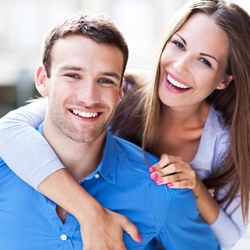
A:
x: 84, y: 59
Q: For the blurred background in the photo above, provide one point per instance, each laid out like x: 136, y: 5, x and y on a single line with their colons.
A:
x: 24, y: 23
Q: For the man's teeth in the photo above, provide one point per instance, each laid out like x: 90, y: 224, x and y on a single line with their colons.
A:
x: 176, y: 84
x: 85, y: 114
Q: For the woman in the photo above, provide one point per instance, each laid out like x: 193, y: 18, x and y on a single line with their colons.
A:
x: 195, y: 114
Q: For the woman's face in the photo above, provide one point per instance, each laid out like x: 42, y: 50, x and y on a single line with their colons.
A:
x: 194, y: 62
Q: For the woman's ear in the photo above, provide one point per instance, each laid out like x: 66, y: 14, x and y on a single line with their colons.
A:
x: 41, y: 81
x: 225, y: 82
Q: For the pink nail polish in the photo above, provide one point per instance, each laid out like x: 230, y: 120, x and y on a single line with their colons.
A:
x: 139, y: 238
x: 170, y: 184
x: 154, y: 176
x: 151, y: 169
x: 159, y: 181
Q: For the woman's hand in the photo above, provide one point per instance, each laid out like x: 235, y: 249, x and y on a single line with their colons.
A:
x: 101, y: 229
x: 174, y: 172
x: 104, y: 230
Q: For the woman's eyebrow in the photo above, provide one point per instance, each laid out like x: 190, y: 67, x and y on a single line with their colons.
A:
x: 183, y: 40
x: 202, y: 54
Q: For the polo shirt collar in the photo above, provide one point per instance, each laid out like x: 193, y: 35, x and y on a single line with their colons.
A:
x: 108, y: 165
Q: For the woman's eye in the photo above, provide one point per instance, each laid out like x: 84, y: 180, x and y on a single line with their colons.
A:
x: 178, y: 44
x: 206, y: 62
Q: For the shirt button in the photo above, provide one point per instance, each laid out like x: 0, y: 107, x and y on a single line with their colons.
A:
x: 97, y: 176
x: 64, y: 237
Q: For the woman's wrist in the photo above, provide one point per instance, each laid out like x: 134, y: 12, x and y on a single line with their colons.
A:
x: 196, y: 190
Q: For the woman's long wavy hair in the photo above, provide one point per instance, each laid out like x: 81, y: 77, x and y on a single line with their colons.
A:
x: 233, y: 102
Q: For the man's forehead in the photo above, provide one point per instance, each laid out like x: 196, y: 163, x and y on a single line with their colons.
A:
x: 79, y: 53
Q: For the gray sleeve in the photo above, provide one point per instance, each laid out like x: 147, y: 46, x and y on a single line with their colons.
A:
x: 229, y: 226
x: 25, y: 150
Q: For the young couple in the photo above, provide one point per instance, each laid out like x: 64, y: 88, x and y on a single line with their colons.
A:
x: 193, y: 116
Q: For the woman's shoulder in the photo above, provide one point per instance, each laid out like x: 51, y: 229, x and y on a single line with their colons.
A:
x: 213, y: 146
x: 215, y: 123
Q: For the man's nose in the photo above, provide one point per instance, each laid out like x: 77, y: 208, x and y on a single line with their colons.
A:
x: 88, y: 91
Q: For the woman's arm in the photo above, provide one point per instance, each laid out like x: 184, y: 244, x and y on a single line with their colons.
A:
x: 37, y: 164
x: 227, y: 225
x: 34, y: 160
x: 176, y: 173
x: 101, y: 228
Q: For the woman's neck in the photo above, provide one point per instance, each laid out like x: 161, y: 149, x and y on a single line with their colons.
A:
x: 180, y: 131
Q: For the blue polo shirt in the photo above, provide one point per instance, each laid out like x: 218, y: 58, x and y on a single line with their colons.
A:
x: 28, y: 220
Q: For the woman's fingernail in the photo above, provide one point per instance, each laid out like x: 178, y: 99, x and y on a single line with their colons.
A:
x: 170, y: 184
x: 139, y: 238
x: 154, y: 176
x: 151, y: 169
x: 159, y: 181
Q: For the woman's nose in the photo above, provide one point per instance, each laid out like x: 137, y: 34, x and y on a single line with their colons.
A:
x: 182, y: 64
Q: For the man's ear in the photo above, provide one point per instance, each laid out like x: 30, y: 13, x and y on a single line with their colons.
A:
x: 225, y: 82
x: 41, y: 81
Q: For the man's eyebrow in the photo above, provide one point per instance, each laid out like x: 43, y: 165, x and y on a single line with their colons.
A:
x: 202, y: 54
x: 112, y: 74
x: 69, y: 67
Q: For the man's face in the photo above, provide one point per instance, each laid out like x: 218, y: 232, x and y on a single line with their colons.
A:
x: 84, y: 88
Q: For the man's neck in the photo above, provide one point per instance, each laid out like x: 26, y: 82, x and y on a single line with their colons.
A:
x: 80, y: 159
x: 80, y: 163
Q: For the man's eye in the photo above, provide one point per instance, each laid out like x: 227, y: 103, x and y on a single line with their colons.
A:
x: 72, y: 76
x: 105, y: 81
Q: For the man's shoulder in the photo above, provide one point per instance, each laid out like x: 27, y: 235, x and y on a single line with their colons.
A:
x: 134, y: 152
x: 2, y: 163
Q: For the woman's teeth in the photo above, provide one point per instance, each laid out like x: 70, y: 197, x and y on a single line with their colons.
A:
x: 176, y: 83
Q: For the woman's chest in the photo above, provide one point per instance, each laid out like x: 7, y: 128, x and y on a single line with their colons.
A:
x: 179, y: 142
